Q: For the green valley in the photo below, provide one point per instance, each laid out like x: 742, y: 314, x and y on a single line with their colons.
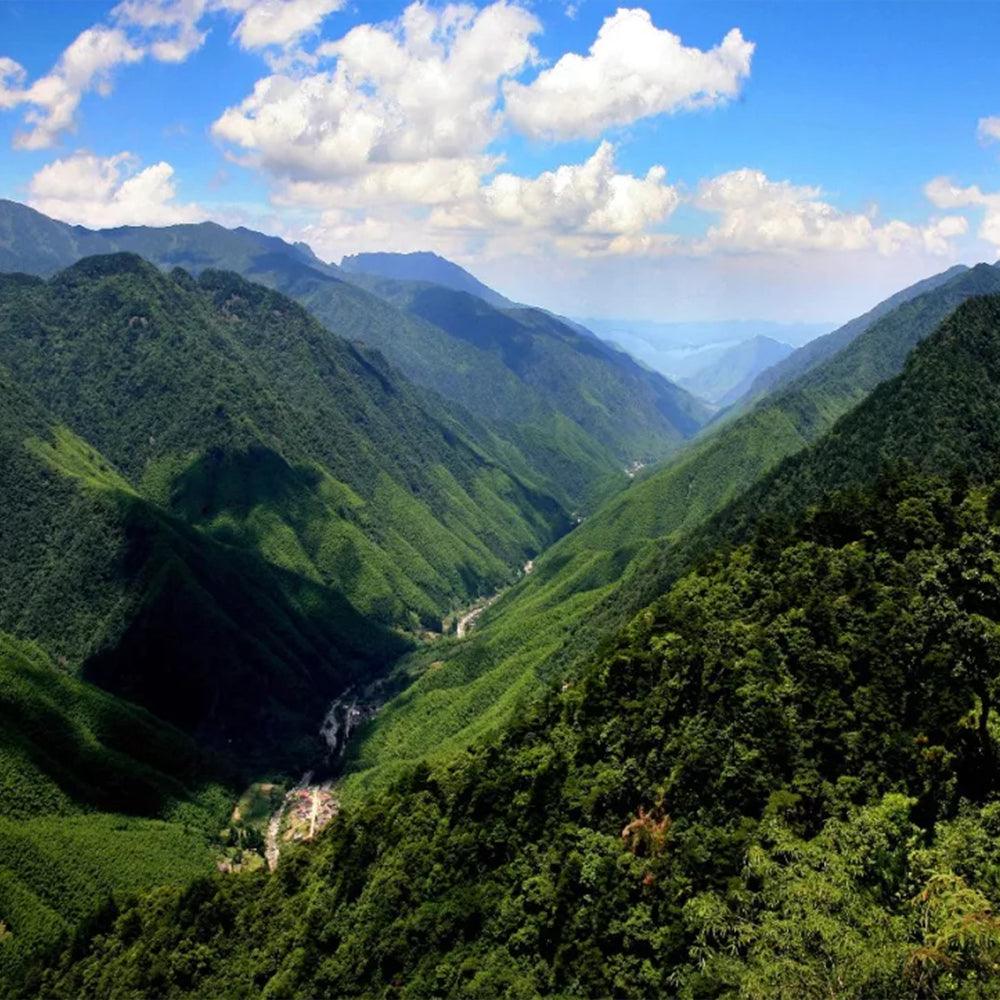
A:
x: 779, y: 773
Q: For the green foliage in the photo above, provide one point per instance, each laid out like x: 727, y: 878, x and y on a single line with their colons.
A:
x: 942, y: 411
x: 773, y: 784
x: 227, y: 405
x: 96, y: 797
x: 567, y: 416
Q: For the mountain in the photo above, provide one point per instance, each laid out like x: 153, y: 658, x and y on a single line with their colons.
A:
x: 218, y: 518
x: 574, y: 445
x: 779, y: 776
x: 822, y: 348
x: 673, y: 348
x: 424, y: 267
x: 32, y: 243
x: 98, y: 795
x: 210, y: 638
x: 584, y: 584
x: 723, y: 375
x: 229, y: 406
x: 638, y: 414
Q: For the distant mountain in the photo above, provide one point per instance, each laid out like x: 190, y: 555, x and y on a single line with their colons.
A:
x: 423, y: 266
x: 35, y: 244
x: 573, y: 445
x: 724, y: 374
x: 635, y: 412
x: 816, y: 351
x: 674, y: 349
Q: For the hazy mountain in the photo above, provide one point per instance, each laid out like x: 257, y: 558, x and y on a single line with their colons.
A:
x: 674, y: 349
x: 723, y: 374
x: 816, y: 351
x: 423, y: 266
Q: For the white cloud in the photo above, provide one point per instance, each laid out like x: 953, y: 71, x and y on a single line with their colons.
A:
x: 587, y: 208
x: 53, y: 99
x: 278, y: 22
x: 988, y: 129
x: 109, y: 191
x: 170, y: 28
x: 633, y: 70
x: 165, y: 30
x: 422, y: 90
x: 758, y: 214
x: 943, y: 193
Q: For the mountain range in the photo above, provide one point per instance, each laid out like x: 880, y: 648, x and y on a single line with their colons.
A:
x: 528, y: 394
x: 525, y: 674
x: 682, y: 813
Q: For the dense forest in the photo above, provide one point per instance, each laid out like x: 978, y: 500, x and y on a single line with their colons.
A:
x: 776, y: 783
x: 726, y: 729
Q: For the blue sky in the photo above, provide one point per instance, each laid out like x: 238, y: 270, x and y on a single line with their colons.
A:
x: 823, y: 157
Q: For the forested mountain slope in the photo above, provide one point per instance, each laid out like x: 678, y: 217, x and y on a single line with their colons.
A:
x: 636, y: 412
x: 209, y: 637
x: 819, y: 350
x: 96, y: 584
x: 779, y: 780
x: 574, y: 593
x: 574, y: 443
x: 230, y: 407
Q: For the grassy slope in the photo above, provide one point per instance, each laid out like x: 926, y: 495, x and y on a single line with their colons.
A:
x: 588, y: 582
x: 96, y: 797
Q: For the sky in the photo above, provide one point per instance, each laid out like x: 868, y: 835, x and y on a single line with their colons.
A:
x: 674, y: 161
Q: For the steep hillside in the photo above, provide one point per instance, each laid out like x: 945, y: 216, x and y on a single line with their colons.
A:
x: 778, y: 780
x: 822, y: 348
x: 230, y: 407
x: 209, y: 637
x: 425, y: 267
x: 610, y: 565
x: 636, y: 412
x: 98, y: 796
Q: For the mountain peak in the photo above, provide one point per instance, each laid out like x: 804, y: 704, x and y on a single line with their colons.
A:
x: 108, y: 265
x: 423, y: 265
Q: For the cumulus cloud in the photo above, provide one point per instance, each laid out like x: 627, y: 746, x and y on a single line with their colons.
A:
x: 53, y: 99
x: 422, y: 90
x: 109, y: 191
x: 944, y: 193
x: 587, y: 208
x: 633, y: 70
x: 278, y: 22
x: 165, y: 30
x: 756, y: 213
